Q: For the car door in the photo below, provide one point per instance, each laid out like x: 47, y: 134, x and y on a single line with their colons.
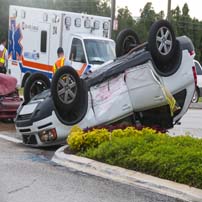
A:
x: 145, y: 88
x: 110, y: 100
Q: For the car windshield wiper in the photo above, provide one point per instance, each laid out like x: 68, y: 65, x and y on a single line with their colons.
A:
x: 97, y: 61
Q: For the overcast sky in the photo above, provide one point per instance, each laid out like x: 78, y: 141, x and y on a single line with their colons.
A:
x: 158, y: 5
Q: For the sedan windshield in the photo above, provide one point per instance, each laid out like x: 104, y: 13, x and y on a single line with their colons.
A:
x: 99, y: 51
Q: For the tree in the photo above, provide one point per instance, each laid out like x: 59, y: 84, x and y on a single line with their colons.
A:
x: 104, y: 8
x: 184, y: 25
x: 79, y: 6
x: 185, y: 10
x: 125, y: 18
x: 176, y: 13
x: 147, y: 17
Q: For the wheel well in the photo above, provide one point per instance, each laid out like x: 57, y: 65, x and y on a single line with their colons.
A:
x: 25, y: 77
x: 160, y: 117
x: 197, y: 88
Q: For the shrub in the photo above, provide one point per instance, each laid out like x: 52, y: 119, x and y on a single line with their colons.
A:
x: 146, y: 150
x: 174, y: 158
x: 78, y: 140
x: 75, y: 139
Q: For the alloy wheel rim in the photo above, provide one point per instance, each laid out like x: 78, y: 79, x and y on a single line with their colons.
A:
x: 67, y: 88
x: 164, y: 40
x: 195, y: 97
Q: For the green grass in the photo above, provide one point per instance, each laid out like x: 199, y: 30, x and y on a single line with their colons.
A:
x: 175, y: 158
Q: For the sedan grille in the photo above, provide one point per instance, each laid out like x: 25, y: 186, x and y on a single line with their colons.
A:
x: 24, y: 117
x: 29, y: 139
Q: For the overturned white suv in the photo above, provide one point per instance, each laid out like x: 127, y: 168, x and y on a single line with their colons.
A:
x: 153, y: 84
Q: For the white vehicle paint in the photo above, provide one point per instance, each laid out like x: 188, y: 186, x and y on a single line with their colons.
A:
x: 111, y: 101
x: 198, y: 90
x: 133, y: 88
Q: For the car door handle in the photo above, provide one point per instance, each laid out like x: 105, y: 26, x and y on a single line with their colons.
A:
x: 158, y: 98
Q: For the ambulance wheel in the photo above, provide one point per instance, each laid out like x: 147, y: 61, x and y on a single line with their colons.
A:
x: 125, y: 41
x: 34, y: 85
x: 67, y: 91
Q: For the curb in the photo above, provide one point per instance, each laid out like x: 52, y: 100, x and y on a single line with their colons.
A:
x: 129, y: 177
x: 195, y: 105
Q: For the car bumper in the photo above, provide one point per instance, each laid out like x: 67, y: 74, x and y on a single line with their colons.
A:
x: 31, y: 135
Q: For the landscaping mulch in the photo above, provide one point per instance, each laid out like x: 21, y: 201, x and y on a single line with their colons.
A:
x: 6, y: 125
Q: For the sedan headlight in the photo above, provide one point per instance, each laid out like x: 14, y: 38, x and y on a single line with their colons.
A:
x: 48, y: 135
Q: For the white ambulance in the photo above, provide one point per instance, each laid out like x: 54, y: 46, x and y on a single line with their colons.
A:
x: 35, y: 35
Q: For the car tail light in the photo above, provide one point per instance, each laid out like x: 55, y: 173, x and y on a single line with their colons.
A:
x: 195, y: 75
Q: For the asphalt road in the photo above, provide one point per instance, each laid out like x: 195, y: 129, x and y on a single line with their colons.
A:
x: 191, y: 124
x: 29, y: 175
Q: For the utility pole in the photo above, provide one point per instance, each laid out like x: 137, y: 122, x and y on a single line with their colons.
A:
x: 113, y: 10
x: 169, y: 11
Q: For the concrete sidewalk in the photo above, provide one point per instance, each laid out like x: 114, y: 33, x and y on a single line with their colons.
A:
x: 175, y: 191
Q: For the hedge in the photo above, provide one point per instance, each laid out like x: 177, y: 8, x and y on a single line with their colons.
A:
x: 174, y: 158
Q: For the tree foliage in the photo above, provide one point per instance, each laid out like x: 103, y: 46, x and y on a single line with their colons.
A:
x: 104, y: 8
x: 147, y: 17
x: 125, y: 18
x: 185, y: 25
x: 181, y: 21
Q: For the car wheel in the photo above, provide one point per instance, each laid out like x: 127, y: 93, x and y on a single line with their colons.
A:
x: 66, y: 86
x: 34, y: 85
x: 77, y: 113
x: 162, y: 41
x: 195, y: 98
x: 126, y: 40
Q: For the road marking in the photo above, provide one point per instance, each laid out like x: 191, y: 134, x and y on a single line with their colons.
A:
x: 11, y: 139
